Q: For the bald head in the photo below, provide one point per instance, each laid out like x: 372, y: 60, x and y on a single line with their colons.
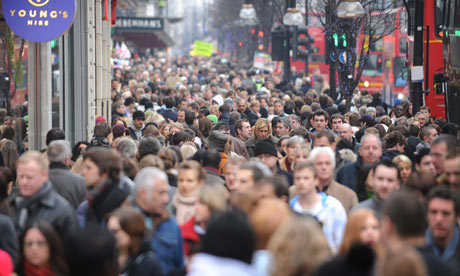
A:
x: 346, y: 132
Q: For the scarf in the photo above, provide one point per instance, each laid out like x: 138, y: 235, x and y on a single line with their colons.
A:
x: 103, y: 199
x: 25, y: 204
x: 30, y: 270
x: 185, y: 209
x: 449, y: 251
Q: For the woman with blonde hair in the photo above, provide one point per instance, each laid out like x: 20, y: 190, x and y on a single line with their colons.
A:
x: 164, y: 130
x: 212, y: 199
x: 301, y: 155
x: 362, y: 227
x: 154, y: 117
x: 174, y: 128
x: 190, y: 179
x: 298, y: 247
x: 405, y: 166
x: 255, y: 107
x: 187, y: 150
x: 262, y: 130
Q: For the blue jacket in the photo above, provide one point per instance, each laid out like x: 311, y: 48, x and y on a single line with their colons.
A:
x: 169, y: 114
x: 167, y: 241
x: 225, y: 118
x: 168, y: 245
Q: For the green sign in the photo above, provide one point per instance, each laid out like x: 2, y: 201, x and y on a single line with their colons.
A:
x: 202, y: 48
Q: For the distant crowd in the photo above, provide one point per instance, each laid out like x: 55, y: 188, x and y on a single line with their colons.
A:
x: 204, y: 168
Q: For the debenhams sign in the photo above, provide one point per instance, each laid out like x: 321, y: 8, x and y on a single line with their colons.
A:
x: 140, y: 23
x: 39, y: 20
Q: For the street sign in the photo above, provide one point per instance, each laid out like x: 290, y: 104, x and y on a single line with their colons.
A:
x: 201, y: 48
x: 39, y: 20
x: 343, y: 57
x: 416, y: 74
x: 332, y: 57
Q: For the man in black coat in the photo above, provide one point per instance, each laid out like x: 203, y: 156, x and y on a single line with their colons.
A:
x: 36, y: 199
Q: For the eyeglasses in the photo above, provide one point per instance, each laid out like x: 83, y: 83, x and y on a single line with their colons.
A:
x: 37, y: 243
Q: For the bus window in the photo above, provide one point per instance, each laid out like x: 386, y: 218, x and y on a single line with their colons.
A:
x: 440, y: 10
x: 317, y: 59
x: 403, y: 22
x: 374, y: 66
x: 456, y: 15
x: 377, y: 46
x: 455, y: 51
x: 403, y: 45
x: 400, y: 71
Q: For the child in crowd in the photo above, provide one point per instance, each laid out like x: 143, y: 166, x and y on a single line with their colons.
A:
x: 325, y: 208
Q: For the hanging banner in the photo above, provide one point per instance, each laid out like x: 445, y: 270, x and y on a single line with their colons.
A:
x: 39, y: 20
x: 202, y: 48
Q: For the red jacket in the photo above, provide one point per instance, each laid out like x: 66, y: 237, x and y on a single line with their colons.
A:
x: 189, y: 234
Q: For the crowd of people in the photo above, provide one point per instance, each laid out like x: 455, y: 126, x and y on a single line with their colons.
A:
x: 208, y: 169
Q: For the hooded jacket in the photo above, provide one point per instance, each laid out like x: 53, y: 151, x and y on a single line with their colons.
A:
x: 135, y: 133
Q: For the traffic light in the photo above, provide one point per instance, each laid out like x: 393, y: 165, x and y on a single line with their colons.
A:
x: 253, y: 31
x: 343, y: 41
x: 302, y: 43
x: 260, y: 34
x: 278, y: 41
x: 335, y: 39
x: 339, y: 41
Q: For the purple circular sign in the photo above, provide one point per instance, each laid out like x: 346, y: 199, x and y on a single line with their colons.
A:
x: 39, y: 20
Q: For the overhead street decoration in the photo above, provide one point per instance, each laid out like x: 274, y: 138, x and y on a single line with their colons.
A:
x: 39, y: 20
x: 138, y: 23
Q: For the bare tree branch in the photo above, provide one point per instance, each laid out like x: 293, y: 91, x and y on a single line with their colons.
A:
x: 379, y: 21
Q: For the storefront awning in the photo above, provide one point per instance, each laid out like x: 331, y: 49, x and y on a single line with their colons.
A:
x: 144, y: 32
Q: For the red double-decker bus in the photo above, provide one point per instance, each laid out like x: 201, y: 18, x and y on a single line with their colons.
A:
x: 385, y: 70
x: 433, y: 55
x: 447, y: 20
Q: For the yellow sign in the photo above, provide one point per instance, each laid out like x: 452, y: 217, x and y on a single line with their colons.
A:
x: 201, y: 48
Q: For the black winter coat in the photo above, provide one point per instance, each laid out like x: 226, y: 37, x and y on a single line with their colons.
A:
x: 143, y: 264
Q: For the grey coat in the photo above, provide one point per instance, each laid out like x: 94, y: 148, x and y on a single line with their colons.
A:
x: 67, y: 184
x: 49, y: 207
x: 213, y: 178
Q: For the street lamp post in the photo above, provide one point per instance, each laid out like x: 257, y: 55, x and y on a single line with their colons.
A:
x: 292, y: 18
x: 248, y: 14
x: 417, y: 86
x: 248, y: 17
